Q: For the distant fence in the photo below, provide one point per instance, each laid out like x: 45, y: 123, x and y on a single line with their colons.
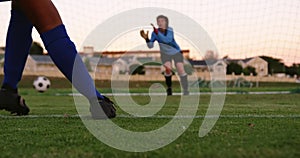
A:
x: 203, y: 76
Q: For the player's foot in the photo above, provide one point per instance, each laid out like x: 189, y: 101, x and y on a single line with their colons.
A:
x: 11, y: 101
x: 186, y: 92
x: 102, y: 108
x: 169, y: 91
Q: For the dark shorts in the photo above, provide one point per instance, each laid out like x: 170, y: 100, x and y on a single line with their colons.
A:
x: 178, y: 58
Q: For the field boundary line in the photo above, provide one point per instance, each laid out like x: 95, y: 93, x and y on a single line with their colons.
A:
x: 179, y: 94
x: 157, y: 116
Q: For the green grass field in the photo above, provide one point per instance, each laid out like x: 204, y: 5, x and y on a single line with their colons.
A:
x: 51, y: 130
x: 275, y: 130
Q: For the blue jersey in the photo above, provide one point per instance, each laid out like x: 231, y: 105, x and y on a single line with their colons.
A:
x: 166, y: 41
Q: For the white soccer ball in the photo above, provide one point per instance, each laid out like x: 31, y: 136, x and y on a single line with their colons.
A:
x: 41, y: 84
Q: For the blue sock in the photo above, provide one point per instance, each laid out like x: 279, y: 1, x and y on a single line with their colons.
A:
x: 18, y: 42
x: 64, y: 54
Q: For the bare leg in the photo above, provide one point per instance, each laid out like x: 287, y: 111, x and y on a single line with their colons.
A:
x: 180, y: 69
x: 42, y: 13
x: 168, y: 67
x: 183, y: 77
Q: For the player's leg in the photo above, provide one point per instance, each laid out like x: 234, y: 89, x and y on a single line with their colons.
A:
x: 61, y: 49
x: 166, y: 60
x: 46, y: 19
x: 18, y: 42
x: 178, y: 58
x: 167, y: 63
x: 168, y: 76
x: 183, y: 77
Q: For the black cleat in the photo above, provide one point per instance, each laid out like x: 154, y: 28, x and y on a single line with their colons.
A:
x: 11, y: 101
x: 169, y: 91
x: 106, y: 110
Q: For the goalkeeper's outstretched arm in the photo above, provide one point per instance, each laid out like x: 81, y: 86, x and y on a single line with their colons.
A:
x: 148, y: 41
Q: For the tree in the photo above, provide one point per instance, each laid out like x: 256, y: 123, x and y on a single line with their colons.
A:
x: 293, y: 70
x: 210, y: 55
x: 274, y: 65
x: 36, y: 49
x: 136, y: 69
x: 249, y: 70
x: 234, y: 68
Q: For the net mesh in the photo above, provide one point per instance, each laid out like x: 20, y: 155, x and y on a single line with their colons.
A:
x: 240, y: 29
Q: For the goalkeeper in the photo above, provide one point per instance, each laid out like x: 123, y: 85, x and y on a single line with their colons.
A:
x: 169, y: 50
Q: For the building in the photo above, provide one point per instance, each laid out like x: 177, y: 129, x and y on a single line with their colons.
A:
x: 260, y: 65
x: 109, y: 66
x: 217, y: 66
x: 101, y: 65
x: 89, y: 51
x: 39, y: 63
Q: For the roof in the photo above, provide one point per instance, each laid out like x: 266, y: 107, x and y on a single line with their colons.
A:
x: 127, y: 58
x: 233, y: 60
x: 247, y: 60
x: 102, y: 61
x: 145, y: 59
x: 203, y: 62
x: 42, y: 59
x: 237, y: 60
x: 198, y: 62
x: 134, y: 52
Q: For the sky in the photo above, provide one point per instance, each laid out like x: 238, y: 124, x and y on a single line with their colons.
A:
x: 238, y: 28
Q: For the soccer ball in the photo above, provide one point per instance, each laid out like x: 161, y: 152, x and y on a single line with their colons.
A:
x: 41, y: 84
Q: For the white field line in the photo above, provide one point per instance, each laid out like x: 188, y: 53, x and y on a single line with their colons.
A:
x: 157, y: 116
x: 179, y: 94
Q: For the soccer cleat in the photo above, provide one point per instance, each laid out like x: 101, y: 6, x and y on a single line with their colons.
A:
x: 106, y: 110
x: 12, y: 102
x: 169, y: 91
